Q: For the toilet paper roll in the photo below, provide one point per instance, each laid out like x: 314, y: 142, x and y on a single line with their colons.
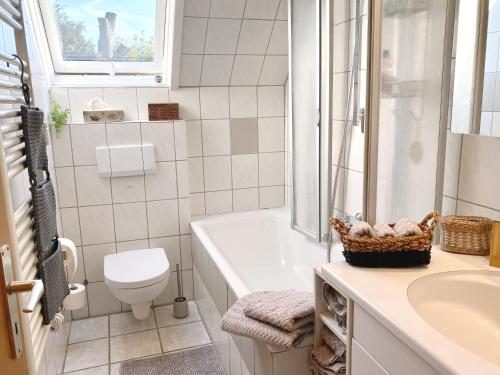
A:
x: 71, y: 261
x: 76, y: 298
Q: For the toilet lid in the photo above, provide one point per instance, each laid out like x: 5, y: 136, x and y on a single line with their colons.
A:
x: 135, y: 268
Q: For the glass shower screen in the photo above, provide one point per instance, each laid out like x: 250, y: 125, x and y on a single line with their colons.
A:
x: 304, y: 96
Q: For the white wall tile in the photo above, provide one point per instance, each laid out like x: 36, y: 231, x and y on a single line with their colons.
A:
x: 216, y: 70
x: 196, y: 179
x: 132, y: 245
x: 278, y: 45
x: 271, y: 134
x: 227, y: 8
x: 66, y: 190
x: 197, y: 204
x: 123, y: 98
x: 163, y: 218
x: 147, y: 95
x: 246, y: 199
x: 219, y: 202
x: 70, y: 222
x: 469, y: 209
x: 186, y: 256
x: 97, y: 224
x: 193, y: 138
x: 189, y: 102
x: 128, y: 189
x: 282, y: 11
x: 101, y: 301
x: 271, y: 101
x: 184, y: 216
x: 214, y: 102
x: 216, y: 137
x: 271, y: 196
x: 162, y: 184
x: 161, y: 135
x: 79, y: 99
x: 182, y: 179
x: 243, y: 102
x: 196, y: 8
x: 261, y: 9
x: 130, y: 221
x: 271, y: 169
x: 85, y: 139
x: 180, y: 140
x: 94, y: 260
x: 495, y: 125
x: 123, y: 134
x: 245, y: 171
x: 222, y: 36
x: 61, y: 147
x: 246, y: 70
x: 274, y: 71
x: 217, y: 173
x: 190, y: 72
x: 452, y: 164
x: 254, y: 37
x: 193, y: 35
x: 91, y: 188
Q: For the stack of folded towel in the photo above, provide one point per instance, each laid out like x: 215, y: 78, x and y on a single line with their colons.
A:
x: 336, y: 304
x: 279, y: 319
x: 329, y: 358
x: 403, y: 227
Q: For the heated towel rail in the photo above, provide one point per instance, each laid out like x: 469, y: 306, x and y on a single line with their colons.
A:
x: 17, y: 235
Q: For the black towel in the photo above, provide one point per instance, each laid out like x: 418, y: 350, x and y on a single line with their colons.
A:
x: 34, y: 140
x: 51, y: 271
x: 44, y: 212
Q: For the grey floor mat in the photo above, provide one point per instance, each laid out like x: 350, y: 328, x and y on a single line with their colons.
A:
x: 198, y: 361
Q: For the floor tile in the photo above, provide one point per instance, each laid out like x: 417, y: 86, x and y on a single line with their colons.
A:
x: 101, y: 370
x: 88, y: 329
x: 183, y: 336
x: 165, y: 315
x: 120, y: 324
x: 86, y: 354
x: 134, y: 345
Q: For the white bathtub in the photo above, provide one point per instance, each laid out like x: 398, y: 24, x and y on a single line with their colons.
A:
x: 238, y: 253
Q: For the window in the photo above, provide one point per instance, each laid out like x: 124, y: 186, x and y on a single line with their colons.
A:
x: 105, y: 37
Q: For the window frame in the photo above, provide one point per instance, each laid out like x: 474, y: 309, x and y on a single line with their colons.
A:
x: 62, y: 66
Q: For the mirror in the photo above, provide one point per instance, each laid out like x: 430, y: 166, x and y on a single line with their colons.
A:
x: 475, y: 68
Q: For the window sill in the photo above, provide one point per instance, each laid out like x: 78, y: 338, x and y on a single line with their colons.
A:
x: 89, y: 80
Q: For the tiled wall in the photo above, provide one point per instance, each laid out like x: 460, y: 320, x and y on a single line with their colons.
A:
x: 108, y: 215
x: 490, y: 116
x: 349, y: 198
x: 237, y: 52
x: 472, y: 176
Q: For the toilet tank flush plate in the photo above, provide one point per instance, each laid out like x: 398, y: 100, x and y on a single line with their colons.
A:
x: 126, y: 160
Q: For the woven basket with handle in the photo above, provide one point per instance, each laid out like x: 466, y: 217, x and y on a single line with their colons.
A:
x: 466, y: 234
x: 398, y: 251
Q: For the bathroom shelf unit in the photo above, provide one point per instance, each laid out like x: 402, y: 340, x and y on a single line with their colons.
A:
x: 324, y: 318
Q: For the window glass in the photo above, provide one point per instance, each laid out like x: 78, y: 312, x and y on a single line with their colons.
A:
x: 111, y: 30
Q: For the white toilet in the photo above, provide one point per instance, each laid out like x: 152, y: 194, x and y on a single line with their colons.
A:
x: 137, y: 277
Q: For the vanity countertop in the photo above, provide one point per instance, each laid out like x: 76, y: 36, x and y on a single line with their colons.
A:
x: 383, y: 294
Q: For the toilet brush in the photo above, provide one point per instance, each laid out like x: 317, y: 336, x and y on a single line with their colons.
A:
x: 180, y: 303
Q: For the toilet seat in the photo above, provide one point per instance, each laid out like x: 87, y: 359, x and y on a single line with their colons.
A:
x: 136, y: 268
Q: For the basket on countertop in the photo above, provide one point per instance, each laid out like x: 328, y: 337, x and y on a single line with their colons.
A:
x: 398, y: 251
x: 466, y: 234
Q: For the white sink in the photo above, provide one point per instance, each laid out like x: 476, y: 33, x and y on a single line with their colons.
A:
x: 464, y: 306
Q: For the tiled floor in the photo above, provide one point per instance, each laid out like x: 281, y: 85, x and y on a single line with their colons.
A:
x: 98, y: 345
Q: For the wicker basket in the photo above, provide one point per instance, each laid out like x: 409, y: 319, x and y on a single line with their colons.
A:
x: 163, y: 111
x: 409, y: 251
x: 466, y: 234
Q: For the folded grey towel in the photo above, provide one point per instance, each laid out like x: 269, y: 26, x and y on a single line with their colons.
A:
x: 406, y: 227
x: 361, y: 229
x: 333, y: 342
x: 336, y: 304
x: 236, y: 322
x: 383, y: 230
x: 288, y: 310
x: 324, y: 362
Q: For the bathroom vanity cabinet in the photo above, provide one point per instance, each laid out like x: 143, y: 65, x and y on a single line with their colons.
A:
x: 372, y: 349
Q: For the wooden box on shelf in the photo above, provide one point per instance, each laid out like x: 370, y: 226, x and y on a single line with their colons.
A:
x: 163, y: 111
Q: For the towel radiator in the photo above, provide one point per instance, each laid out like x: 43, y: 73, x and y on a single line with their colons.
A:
x: 17, y: 245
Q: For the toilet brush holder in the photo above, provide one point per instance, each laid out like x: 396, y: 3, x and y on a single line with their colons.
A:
x: 181, y: 309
